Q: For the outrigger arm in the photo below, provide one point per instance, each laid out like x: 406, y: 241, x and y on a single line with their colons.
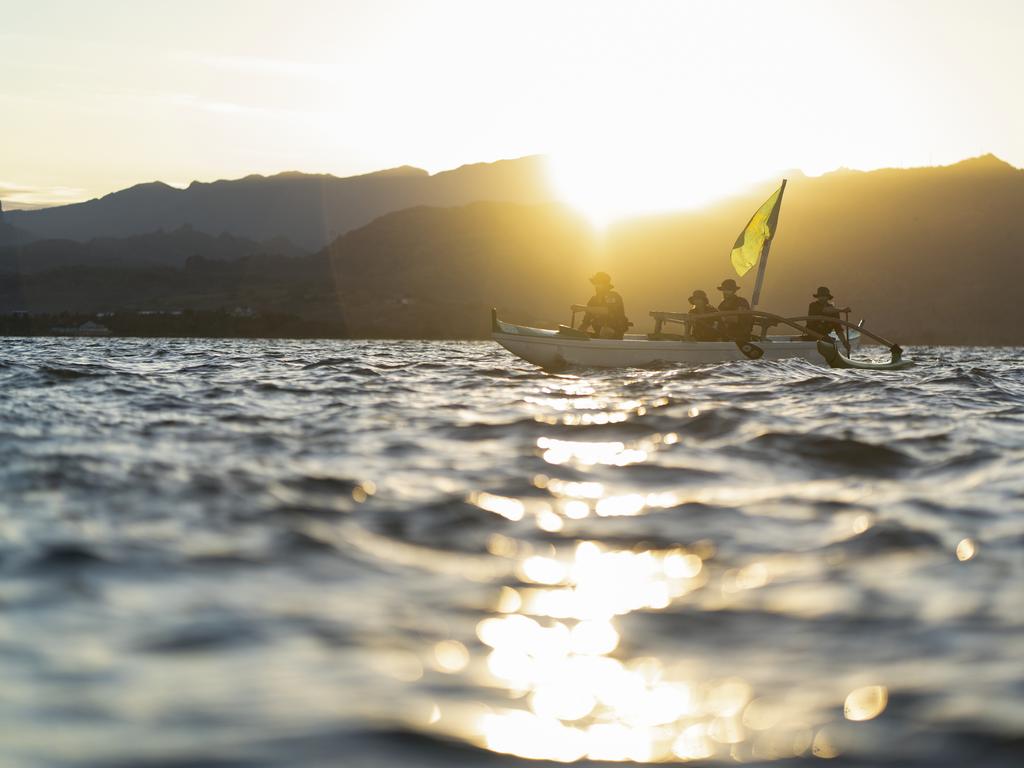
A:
x: 826, y: 345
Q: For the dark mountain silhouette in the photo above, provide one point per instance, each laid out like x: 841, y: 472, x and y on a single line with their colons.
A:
x: 169, y: 249
x: 308, y: 209
x: 929, y: 255
x: 265, y: 283
x: 435, y: 272
x: 10, y: 234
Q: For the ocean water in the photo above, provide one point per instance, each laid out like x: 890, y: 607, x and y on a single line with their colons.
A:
x: 275, y: 553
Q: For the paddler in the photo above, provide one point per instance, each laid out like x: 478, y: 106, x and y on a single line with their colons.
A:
x: 605, y: 312
x: 822, y: 307
x: 703, y: 329
x: 734, y: 328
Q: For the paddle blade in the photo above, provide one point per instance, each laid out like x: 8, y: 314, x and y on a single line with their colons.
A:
x: 750, y: 351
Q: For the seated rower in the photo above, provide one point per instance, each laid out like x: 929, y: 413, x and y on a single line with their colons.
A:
x: 605, y: 312
x: 822, y: 306
x: 703, y: 329
x: 735, y: 328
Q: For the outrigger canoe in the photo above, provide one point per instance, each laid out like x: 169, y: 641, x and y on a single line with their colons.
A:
x: 564, y: 347
x: 555, y: 349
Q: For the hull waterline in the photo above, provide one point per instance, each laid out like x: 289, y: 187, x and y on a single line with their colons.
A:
x: 554, y: 350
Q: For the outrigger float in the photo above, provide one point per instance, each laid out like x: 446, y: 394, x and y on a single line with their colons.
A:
x: 565, y: 347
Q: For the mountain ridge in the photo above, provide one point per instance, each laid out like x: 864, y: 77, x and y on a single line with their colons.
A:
x: 925, y: 255
x: 898, y: 248
x: 308, y: 209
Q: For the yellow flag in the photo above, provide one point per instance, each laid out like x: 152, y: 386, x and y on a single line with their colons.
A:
x: 755, y: 237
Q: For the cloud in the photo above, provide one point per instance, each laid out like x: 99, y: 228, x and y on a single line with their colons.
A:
x: 16, y: 195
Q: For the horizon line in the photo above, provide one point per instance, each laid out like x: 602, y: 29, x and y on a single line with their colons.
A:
x: 11, y: 205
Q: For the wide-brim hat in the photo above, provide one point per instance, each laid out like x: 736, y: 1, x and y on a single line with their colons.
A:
x: 697, y: 295
x: 602, y: 278
x: 728, y: 285
x: 823, y: 292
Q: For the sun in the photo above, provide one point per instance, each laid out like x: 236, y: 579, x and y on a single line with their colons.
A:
x: 609, y: 186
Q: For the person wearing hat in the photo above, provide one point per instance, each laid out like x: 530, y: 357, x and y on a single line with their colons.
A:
x: 822, y: 307
x: 734, y: 328
x: 605, y: 312
x: 705, y: 328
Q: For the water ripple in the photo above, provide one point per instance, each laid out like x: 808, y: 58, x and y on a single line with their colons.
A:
x: 219, y: 552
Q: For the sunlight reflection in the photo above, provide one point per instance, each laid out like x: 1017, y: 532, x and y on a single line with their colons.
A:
x: 509, y: 601
x: 824, y: 745
x: 363, y: 491
x: 575, y: 509
x: 589, y: 453
x: 554, y: 645
x: 502, y: 546
x: 752, y: 576
x: 572, y: 496
x: 585, y: 490
x: 861, y: 523
x: 548, y: 521
x: 535, y: 738
x: 586, y: 418
x: 450, y: 656
x: 620, y: 506
x: 509, y: 508
x: 693, y: 743
x: 965, y: 550
x: 542, y: 570
x: 728, y: 698
x: 866, y: 703
x: 580, y: 702
x: 761, y: 714
x: 603, y: 584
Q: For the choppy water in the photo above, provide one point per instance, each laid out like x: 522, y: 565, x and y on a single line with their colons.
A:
x: 418, y: 553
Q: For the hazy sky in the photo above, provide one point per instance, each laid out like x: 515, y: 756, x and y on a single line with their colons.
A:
x: 640, y: 104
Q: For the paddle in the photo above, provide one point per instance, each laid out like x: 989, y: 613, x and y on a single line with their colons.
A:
x: 750, y: 350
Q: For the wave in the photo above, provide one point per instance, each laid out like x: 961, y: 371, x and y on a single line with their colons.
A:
x: 834, y: 454
x: 192, y: 525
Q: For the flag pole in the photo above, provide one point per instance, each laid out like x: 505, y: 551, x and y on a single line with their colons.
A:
x: 763, y: 261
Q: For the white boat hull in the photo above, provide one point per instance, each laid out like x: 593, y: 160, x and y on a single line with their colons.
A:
x: 552, y: 350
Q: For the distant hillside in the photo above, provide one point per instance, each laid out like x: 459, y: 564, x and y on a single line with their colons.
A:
x: 435, y: 272
x: 931, y: 255
x: 9, y: 234
x: 170, y: 249
x: 310, y: 210
x: 266, y: 283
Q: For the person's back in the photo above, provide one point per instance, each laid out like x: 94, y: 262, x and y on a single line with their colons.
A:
x: 734, y: 328
x: 615, y: 319
x: 702, y: 328
x: 733, y: 304
x: 608, y: 318
x: 822, y: 307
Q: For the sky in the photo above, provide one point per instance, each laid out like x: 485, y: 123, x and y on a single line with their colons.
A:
x: 639, y: 105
